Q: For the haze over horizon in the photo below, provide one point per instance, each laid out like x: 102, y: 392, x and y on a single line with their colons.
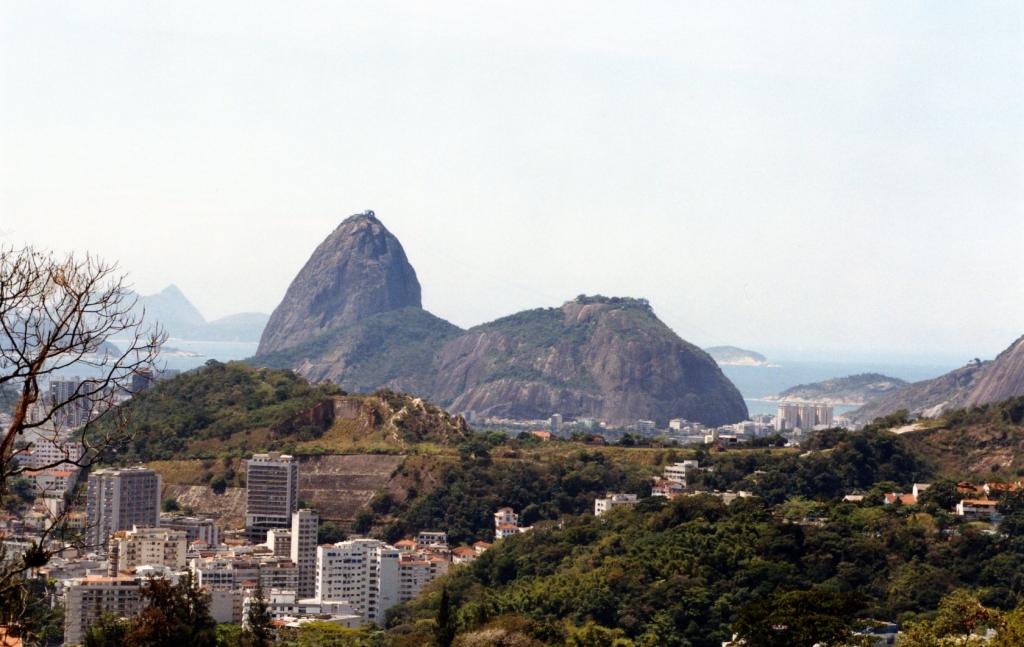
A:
x: 845, y: 178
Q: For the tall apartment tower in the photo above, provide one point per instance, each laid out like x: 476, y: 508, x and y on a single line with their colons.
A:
x: 271, y: 494
x: 803, y: 416
x: 362, y: 571
x: 304, y: 531
x: 119, y: 499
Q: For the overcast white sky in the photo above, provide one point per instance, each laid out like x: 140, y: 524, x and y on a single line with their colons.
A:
x: 833, y: 177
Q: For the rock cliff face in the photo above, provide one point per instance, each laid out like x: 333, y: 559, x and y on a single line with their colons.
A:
x: 1002, y: 379
x: 975, y: 384
x: 358, y: 271
x: 607, y: 358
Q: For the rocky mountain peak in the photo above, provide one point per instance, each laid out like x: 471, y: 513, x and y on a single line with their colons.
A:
x: 359, y: 270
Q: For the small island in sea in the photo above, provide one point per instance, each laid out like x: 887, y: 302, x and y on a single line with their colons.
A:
x: 733, y: 356
x: 849, y: 390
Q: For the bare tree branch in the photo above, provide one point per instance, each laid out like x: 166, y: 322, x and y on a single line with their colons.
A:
x: 60, y: 314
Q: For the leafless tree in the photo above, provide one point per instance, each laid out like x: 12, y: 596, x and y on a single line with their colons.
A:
x: 61, y: 314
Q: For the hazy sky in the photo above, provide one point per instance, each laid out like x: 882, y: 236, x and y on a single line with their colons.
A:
x: 817, y: 176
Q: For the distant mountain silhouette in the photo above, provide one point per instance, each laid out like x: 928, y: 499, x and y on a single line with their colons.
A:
x: 183, y: 320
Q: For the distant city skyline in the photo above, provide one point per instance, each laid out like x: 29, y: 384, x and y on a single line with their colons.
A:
x: 799, y: 179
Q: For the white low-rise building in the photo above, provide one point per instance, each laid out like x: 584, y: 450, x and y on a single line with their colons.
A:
x: 602, y: 506
x: 679, y: 471
x: 285, y: 605
x: 978, y: 509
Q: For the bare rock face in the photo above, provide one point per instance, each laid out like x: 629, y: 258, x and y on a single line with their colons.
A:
x: 606, y: 358
x: 1002, y: 379
x: 972, y: 385
x: 359, y: 270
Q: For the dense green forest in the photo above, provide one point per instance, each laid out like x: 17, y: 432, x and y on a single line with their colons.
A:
x: 538, y: 485
x: 689, y: 571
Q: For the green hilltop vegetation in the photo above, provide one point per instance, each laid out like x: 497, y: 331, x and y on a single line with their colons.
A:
x: 235, y: 409
x: 693, y: 571
x: 980, y: 442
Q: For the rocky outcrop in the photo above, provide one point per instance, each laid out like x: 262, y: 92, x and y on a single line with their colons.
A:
x: 353, y: 316
x: 358, y: 271
x: 1002, y: 379
x: 975, y: 384
x: 849, y: 390
x: 610, y: 359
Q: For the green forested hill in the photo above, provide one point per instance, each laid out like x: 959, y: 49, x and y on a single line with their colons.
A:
x: 981, y: 442
x: 685, y: 573
x: 691, y: 571
x: 202, y: 411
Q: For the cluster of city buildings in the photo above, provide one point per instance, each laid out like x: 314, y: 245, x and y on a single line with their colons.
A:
x: 791, y: 421
x: 129, y: 540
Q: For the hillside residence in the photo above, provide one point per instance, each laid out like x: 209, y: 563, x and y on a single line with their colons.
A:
x: 900, y: 498
x: 506, y: 523
x: 463, y: 555
x: 991, y: 489
x: 666, y: 488
x: 978, y: 510
x: 613, y: 500
x: 432, y: 539
x: 677, y: 472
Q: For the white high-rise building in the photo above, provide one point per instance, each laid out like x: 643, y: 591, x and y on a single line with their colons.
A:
x: 119, y: 499
x: 802, y: 416
x: 271, y: 494
x: 363, y: 572
x: 305, y: 524
x: 556, y: 423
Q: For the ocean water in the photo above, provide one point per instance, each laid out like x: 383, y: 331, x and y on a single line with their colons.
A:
x: 222, y: 351
x: 757, y: 382
x: 181, y: 354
